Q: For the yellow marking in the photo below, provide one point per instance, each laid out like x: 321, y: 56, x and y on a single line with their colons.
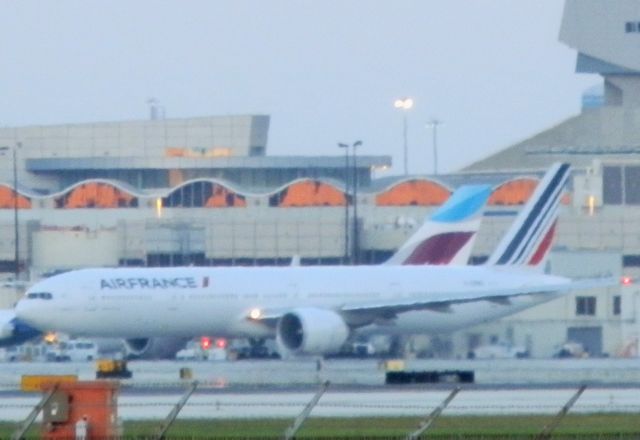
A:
x: 37, y: 383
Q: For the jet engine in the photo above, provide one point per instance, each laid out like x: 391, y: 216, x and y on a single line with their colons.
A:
x: 154, y: 348
x: 311, y: 331
x: 136, y: 347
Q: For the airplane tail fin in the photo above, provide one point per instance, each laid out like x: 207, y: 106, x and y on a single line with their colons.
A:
x: 528, y: 240
x: 447, y: 236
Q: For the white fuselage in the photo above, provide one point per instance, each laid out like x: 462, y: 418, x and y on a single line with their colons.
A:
x: 194, y: 301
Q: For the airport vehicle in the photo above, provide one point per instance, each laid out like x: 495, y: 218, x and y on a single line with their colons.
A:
x: 28, y: 352
x: 112, y: 369
x: 310, y: 310
x: 499, y: 351
x: 74, y: 350
x: 196, y: 351
x: 78, y: 350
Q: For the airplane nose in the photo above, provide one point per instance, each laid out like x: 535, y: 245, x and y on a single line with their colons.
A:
x: 27, y: 312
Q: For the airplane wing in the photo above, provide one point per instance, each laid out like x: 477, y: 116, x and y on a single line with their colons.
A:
x: 498, y: 296
x: 363, y: 313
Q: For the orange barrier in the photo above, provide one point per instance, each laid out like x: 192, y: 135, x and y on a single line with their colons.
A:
x: 514, y: 192
x: 309, y: 193
x: 96, y: 195
x: 414, y: 192
x: 7, y: 199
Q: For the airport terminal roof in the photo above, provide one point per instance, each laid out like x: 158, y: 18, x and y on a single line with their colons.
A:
x: 607, y: 133
x: 167, y: 163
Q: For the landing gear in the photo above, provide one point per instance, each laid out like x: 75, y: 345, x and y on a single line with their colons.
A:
x: 258, y: 349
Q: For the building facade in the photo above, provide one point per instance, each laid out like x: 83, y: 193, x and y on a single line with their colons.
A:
x: 204, y: 191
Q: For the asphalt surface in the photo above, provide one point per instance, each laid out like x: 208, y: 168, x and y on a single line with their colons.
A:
x: 276, y: 388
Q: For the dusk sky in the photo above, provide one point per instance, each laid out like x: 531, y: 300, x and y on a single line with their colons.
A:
x: 326, y: 71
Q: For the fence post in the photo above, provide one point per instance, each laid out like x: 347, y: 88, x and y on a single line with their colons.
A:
x: 426, y: 423
x: 174, y: 412
x: 547, y: 430
x: 26, y: 424
x: 290, y: 432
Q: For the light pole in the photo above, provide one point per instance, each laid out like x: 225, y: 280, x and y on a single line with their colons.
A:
x: 433, y: 123
x: 404, y: 104
x: 16, y: 230
x: 356, y: 231
x: 346, y: 201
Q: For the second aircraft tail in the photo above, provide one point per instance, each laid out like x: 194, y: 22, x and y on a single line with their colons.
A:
x: 447, y: 236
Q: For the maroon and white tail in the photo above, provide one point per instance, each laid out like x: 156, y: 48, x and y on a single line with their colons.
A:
x: 447, y: 236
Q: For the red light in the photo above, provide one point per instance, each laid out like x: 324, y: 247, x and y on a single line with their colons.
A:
x: 627, y: 281
x: 205, y: 342
x: 221, y: 343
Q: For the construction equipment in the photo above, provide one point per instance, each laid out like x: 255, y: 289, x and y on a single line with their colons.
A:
x: 112, y: 369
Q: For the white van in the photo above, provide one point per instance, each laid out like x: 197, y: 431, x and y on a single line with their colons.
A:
x: 27, y: 352
x: 74, y: 350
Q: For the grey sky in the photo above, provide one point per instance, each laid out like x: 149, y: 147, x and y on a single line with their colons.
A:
x: 326, y: 71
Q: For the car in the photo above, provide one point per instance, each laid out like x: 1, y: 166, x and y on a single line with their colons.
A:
x: 499, y: 351
x: 74, y: 350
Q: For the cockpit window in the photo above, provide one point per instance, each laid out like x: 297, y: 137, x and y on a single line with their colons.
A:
x: 39, y: 295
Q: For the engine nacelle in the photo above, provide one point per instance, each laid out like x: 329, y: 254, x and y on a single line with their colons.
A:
x: 137, y: 346
x: 311, y: 331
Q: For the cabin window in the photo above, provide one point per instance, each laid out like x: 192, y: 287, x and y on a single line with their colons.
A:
x: 39, y: 295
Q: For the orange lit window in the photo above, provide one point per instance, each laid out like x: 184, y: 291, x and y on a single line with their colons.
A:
x: 203, y: 194
x: 222, y: 197
x: 96, y: 195
x: 309, y: 193
x: 414, y: 192
x: 514, y: 192
x: 7, y: 199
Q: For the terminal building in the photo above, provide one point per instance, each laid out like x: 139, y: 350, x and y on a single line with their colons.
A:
x: 204, y: 191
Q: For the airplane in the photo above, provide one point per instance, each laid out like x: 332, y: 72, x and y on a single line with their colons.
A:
x: 458, y: 219
x: 308, y: 309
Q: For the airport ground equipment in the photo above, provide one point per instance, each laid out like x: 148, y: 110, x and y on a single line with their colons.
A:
x: 112, y: 369
x: 290, y: 432
x: 162, y: 430
x: 93, y: 403
x: 548, y: 430
x: 397, y: 374
x: 426, y: 423
x: 413, y: 377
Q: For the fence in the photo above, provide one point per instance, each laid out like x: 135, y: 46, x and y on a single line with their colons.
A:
x: 532, y: 412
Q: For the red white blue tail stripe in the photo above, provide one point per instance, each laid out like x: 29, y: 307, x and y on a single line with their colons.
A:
x: 529, y: 239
